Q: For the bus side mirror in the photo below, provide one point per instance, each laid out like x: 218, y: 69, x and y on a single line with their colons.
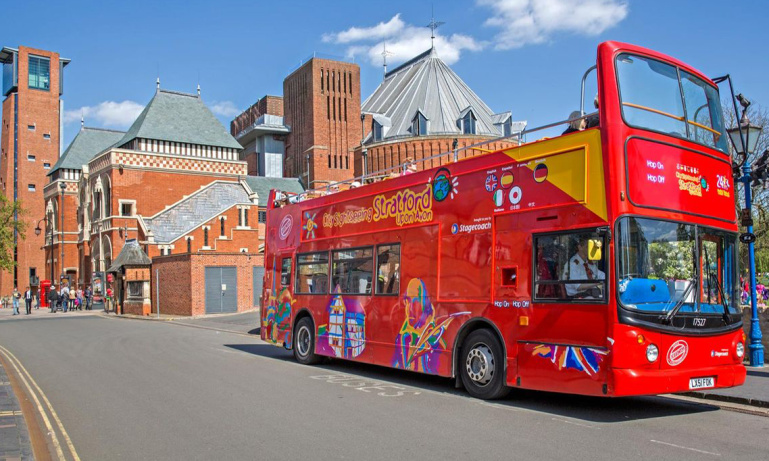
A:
x: 594, y: 249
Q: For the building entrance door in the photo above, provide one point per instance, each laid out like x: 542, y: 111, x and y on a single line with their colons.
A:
x: 221, y: 290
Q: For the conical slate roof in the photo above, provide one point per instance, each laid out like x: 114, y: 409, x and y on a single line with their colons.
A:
x: 179, y: 117
x: 85, y: 146
x: 131, y: 255
x: 428, y: 85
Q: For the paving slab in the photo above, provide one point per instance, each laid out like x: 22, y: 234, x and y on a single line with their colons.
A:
x: 14, y: 437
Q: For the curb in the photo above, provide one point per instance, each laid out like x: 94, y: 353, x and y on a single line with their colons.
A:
x: 728, y: 398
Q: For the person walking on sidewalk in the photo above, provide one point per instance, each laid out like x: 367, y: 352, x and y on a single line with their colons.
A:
x: 72, y: 299
x: 28, y: 300
x: 64, y: 298
x: 16, y: 297
x: 88, y: 295
x: 53, y: 299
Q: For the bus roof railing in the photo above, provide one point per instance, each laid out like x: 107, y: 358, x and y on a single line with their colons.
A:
x: 390, y: 172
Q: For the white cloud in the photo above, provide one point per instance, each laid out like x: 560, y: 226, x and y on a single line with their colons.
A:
x: 534, y: 21
x: 108, y: 113
x: 224, y: 108
x: 377, y: 32
x: 403, y: 40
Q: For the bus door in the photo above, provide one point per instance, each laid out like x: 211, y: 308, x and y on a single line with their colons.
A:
x: 564, y: 338
x: 279, y: 300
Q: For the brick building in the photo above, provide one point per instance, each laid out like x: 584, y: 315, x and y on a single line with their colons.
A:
x: 29, y: 145
x: 423, y: 109
x: 175, y: 183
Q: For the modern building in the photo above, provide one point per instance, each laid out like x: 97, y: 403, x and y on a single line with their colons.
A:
x: 262, y: 133
x: 422, y: 109
x: 30, y: 143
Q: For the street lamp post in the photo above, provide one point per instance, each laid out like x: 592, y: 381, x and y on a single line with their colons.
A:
x: 62, y: 186
x: 49, y: 233
x: 745, y: 138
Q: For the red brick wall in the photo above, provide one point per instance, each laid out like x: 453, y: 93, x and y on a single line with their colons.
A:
x: 324, y: 118
x: 66, y: 217
x: 39, y: 108
x: 272, y: 105
x: 182, y: 281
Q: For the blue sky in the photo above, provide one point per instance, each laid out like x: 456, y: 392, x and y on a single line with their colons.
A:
x: 526, y: 56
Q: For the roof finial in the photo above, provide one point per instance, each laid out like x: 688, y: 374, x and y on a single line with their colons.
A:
x: 198, y: 90
x: 157, y: 82
x: 433, y: 25
x: 385, y: 54
x: 82, y: 119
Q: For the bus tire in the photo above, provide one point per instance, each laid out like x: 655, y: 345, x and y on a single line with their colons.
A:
x: 304, y: 342
x: 482, y: 366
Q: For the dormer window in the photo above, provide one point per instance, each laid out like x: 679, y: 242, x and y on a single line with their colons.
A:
x: 507, y: 127
x: 467, y: 123
x: 419, y: 124
x: 377, y: 130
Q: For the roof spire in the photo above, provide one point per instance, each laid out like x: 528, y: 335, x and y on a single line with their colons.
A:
x: 198, y: 90
x: 157, y: 82
x: 385, y: 54
x: 82, y: 119
x: 433, y: 25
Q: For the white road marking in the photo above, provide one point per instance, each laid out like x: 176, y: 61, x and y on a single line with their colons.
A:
x: 685, y: 448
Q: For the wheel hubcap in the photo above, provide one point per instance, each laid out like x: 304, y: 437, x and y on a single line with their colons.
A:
x: 480, y: 364
x: 303, y: 341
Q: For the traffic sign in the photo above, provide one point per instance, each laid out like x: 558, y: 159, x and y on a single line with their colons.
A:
x: 747, y: 237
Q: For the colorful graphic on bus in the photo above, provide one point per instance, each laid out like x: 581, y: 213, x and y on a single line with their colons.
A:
x: 585, y: 359
x: 507, y: 180
x: 277, y: 317
x: 344, y: 335
x: 419, y: 344
x: 540, y: 172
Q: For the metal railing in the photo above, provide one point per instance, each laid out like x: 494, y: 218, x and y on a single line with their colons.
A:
x: 384, y: 173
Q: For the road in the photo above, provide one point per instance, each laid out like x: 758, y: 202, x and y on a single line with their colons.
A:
x: 131, y: 389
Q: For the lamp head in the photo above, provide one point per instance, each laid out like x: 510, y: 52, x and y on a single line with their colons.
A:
x: 744, y: 102
x: 38, y: 230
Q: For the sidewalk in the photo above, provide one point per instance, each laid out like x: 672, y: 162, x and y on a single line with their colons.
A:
x: 14, y: 438
x: 7, y: 314
x: 754, y: 392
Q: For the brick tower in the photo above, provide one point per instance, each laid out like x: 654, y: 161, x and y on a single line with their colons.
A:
x: 29, y: 145
x: 321, y: 104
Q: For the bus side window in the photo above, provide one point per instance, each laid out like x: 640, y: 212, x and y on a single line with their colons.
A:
x: 285, y: 272
x: 388, y: 263
x: 352, y: 270
x: 565, y: 268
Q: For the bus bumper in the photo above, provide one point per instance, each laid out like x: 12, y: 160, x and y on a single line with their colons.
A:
x: 625, y: 382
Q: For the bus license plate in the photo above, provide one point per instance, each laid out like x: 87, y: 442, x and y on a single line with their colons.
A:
x: 702, y: 383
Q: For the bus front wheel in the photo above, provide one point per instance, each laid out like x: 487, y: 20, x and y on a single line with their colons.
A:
x: 482, y: 366
x: 304, y: 342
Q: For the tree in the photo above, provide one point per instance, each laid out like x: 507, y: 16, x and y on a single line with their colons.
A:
x: 759, y: 116
x: 10, y: 224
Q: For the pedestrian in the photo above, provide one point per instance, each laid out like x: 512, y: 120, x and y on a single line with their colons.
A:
x: 28, y: 300
x: 108, y: 300
x: 88, y: 295
x: 16, y: 297
x: 64, y: 298
x: 53, y: 299
x: 80, y: 298
x: 72, y: 295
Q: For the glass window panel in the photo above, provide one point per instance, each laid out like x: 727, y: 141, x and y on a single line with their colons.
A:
x: 566, y: 258
x: 312, y: 273
x: 388, y: 263
x: 39, y: 73
x: 353, y: 270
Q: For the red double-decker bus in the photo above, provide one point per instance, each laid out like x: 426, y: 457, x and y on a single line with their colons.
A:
x: 599, y: 262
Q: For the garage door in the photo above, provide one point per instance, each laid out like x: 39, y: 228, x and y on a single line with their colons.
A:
x: 258, y: 277
x: 221, y: 290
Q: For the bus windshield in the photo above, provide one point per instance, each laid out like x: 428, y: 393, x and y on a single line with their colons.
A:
x: 662, y: 264
x: 664, y: 98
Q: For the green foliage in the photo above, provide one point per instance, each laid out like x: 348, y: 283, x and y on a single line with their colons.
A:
x: 671, y: 260
x: 8, y: 224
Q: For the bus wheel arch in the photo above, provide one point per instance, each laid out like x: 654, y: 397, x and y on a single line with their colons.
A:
x: 305, y: 340
x: 490, y: 348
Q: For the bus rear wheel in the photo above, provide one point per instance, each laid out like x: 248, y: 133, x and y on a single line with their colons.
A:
x: 304, y: 342
x: 482, y: 366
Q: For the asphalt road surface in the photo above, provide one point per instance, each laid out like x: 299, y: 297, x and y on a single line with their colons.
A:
x: 129, y: 389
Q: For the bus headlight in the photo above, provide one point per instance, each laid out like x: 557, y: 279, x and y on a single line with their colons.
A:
x: 740, y: 350
x: 652, y: 353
